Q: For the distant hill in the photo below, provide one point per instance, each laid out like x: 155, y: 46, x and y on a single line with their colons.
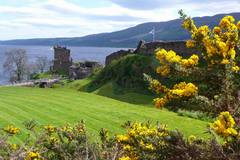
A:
x: 165, y: 31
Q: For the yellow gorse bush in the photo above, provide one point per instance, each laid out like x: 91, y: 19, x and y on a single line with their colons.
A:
x: 184, y: 89
x: 169, y: 58
x: 224, y: 125
x: 181, y: 90
x: 217, y: 47
x: 142, y: 137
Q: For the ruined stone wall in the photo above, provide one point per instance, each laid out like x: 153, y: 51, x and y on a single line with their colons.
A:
x: 178, y: 46
x: 149, y: 49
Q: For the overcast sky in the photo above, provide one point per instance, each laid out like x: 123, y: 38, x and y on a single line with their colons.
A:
x: 72, y: 18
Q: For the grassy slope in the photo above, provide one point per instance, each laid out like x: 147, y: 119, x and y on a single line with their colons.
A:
x: 59, y: 106
x: 108, y: 90
x: 124, y: 95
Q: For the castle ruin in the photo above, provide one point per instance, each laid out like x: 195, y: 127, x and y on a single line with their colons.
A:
x: 63, y: 64
x: 62, y: 60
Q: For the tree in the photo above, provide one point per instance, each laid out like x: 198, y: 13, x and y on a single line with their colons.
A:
x: 16, y: 63
x: 42, y: 63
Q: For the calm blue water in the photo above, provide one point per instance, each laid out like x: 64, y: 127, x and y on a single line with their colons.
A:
x: 77, y: 53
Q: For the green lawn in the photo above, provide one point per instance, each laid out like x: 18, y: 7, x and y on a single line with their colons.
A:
x: 114, y: 92
x: 60, y: 106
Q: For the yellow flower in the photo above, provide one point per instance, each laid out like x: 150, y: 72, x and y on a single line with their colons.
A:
x: 163, y: 70
x: 10, y: 129
x: 224, y: 124
x: 235, y: 69
x: 32, y: 156
x: 203, y: 31
x: 156, y: 86
x: 170, y: 57
x: 127, y: 147
x: 189, y: 25
x: 50, y: 128
x: 238, y: 25
x: 226, y: 22
x: 149, y: 147
x: 67, y: 128
x: 14, y: 146
x: 232, y: 53
x: 160, y: 102
x: 190, y: 43
x: 125, y: 158
x: 121, y: 138
x: 192, y: 138
x: 217, y: 30
x: 222, y: 46
x: 225, y: 61
x: 184, y: 90
x: 53, y: 140
x: 190, y: 62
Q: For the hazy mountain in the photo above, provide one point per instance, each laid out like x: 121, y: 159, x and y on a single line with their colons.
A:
x: 166, y: 31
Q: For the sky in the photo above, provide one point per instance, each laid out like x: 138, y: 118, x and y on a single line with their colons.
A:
x: 23, y: 19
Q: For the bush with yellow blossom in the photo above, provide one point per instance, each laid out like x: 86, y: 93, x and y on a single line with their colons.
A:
x: 140, y: 141
x: 224, y: 125
x: 181, y: 90
x: 219, y: 51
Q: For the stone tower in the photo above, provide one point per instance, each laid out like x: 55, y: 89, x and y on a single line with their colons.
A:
x: 62, y: 60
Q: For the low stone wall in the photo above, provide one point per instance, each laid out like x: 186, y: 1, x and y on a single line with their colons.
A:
x: 117, y: 55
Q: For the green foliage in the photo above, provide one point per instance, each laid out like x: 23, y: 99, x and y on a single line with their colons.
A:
x: 126, y: 72
x: 42, y: 75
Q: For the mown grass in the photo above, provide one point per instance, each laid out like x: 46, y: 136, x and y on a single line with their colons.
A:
x: 61, y: 106
x: 112, y: 91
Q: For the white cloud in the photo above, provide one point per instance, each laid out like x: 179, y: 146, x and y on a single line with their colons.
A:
x: 60, y: 18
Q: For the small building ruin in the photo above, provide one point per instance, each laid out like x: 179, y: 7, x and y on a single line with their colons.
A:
x: 81, y: 70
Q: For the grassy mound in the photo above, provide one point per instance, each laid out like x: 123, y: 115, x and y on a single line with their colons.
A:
x: 60, y: 106
x: 126, y: 72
